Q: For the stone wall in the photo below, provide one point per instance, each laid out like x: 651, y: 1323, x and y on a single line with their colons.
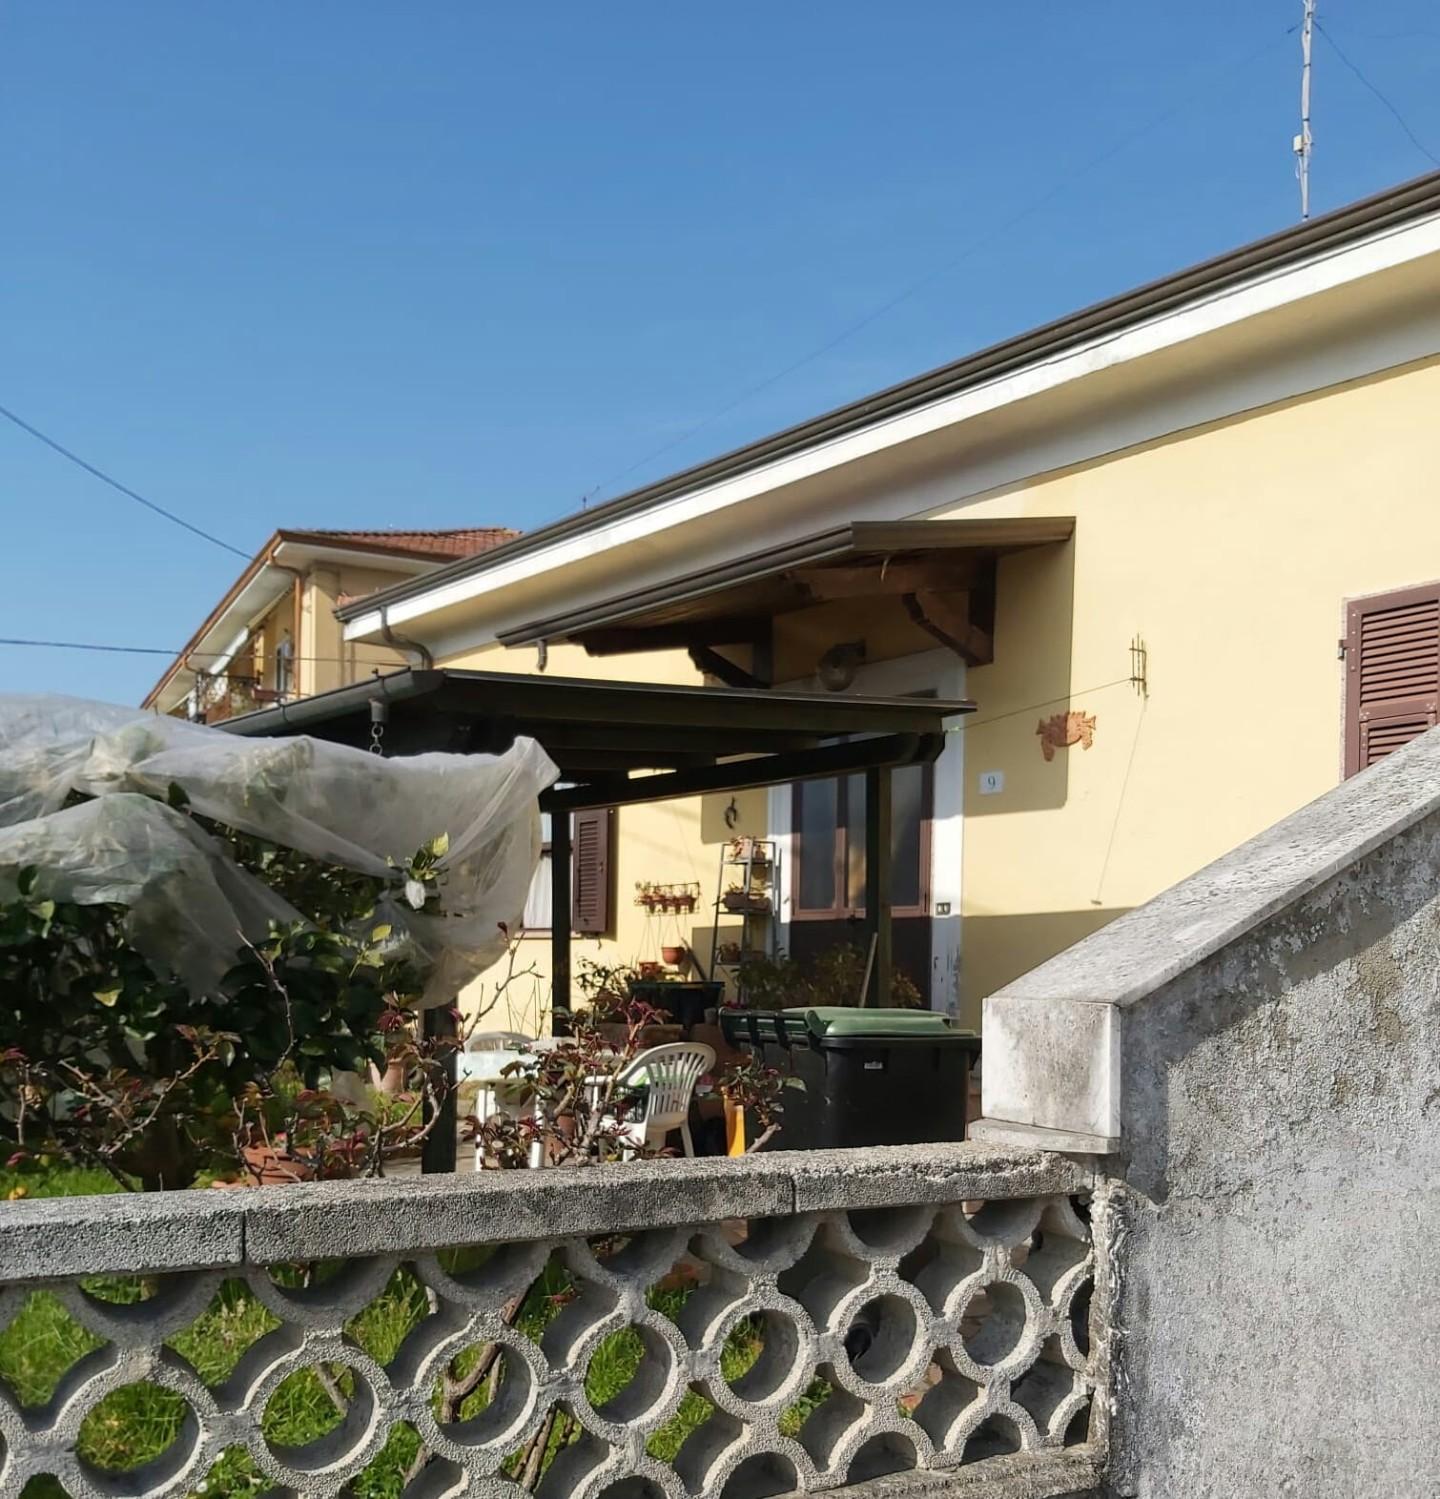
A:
x: 885, y: 1322
x: 1260, y: 1050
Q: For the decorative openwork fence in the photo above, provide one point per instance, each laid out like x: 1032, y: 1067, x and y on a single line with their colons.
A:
x: 738, y: 1329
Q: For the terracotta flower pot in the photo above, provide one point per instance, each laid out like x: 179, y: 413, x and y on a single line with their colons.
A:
x: 674, y: 956
x: 268, y: 1167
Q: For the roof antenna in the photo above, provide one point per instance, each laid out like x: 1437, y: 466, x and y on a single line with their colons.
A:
x: 1304, y: 142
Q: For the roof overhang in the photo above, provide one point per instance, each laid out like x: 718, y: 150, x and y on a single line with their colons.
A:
x: 1092, y: 361
x: 265, y: 580
x: 619, y: 742
x: 861, y: 559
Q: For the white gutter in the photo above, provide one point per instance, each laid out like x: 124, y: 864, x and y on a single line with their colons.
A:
x: 1267, y: 292
x: 228, y: 655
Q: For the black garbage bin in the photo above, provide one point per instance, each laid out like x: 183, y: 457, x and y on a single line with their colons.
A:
x: 875, y: 1077
x: 771, y: 1039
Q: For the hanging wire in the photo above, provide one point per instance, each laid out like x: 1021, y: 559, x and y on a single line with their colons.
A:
x: 1064, y: 697
x: 983, y: 241
x: 115, y: 484
x: 1400, y: 119
x: 156, y: 650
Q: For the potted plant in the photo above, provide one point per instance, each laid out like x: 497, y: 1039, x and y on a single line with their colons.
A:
x: 751, y: 1094
x: 604, y: 985
x: 737, y: 899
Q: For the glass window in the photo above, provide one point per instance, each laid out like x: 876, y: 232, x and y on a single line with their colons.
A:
x: 907, y: 813
x: 830, y: 819
x: 817, y: 821
x: 855, y: 861
x: 285, y: 668
x: 538, y: 905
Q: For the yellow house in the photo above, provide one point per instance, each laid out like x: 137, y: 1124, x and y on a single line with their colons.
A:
x: 1179, y: 547
x: 274, y: 635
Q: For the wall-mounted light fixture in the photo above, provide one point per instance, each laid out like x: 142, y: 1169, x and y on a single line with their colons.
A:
x: 837, y: 667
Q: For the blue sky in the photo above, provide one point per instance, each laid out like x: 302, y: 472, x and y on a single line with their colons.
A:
x: 351, y: 263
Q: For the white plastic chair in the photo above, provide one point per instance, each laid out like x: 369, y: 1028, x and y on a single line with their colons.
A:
x: 486, y: 1054
x: 669, y: 1074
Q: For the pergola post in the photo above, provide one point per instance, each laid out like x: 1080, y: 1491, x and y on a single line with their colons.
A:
x: 878, y: 860
x: 437, y: 1150
x: 561, y: 915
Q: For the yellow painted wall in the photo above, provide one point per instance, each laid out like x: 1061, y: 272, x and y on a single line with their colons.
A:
x: 1231, y: 550
x: 324, y: 658
x: 803, y: 636
x: 664, y: 842
x: 331, y: 660
x: 277, y: 624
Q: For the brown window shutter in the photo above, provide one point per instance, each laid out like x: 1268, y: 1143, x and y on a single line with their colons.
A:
x: 591, y: 862
x: 1392, y: 672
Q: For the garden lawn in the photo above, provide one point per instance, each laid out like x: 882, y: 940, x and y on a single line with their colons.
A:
x: 135, y: 1425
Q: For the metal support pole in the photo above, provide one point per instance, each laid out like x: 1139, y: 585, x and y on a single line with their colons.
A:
x: 1305, y: 142
x: 878, y: 881
x: 561, y: 914
x: 437, y: 1152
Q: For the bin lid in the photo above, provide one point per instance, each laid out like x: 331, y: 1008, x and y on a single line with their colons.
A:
x: 846, y: 1021
x: 758, y: 1024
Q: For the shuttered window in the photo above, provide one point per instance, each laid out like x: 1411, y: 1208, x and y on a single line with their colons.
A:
x: 1392, y: 672
x: 539, y: 903
x: 591, y: 834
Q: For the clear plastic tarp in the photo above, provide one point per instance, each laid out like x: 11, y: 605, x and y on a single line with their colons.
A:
x: 191, y: 907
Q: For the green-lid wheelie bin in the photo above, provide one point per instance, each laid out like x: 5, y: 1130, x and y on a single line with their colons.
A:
x: 875, y: 1077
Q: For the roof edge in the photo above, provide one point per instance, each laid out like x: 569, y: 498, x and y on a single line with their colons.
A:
x: 1394, y: 206
x: 333, y: 541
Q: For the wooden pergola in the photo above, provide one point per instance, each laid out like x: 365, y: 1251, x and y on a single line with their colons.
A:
x: 622, y: 743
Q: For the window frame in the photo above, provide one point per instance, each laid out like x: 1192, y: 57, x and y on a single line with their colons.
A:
x: 606, y: 928
x: 286, y: 677
x: 1358, y: 717
x: 842, y: 910
x: 546, y: 852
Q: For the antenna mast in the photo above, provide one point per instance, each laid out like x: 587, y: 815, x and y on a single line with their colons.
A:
x: 1304, y: 142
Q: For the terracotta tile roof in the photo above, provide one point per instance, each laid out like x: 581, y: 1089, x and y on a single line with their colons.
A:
x: 459, y: 543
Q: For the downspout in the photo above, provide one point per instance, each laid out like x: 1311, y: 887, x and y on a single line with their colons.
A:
x: 400, y: 643
x: 297, y: 597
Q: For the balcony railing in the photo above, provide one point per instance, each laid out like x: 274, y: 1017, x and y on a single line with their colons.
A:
x: 228, y: 697
x: 809, y: 1322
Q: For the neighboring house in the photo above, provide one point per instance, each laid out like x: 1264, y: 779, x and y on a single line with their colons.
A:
x: 1179, y: 547
x: 274, y: 635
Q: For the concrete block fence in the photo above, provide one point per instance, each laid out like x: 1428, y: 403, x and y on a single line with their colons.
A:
x: 953, y: 1301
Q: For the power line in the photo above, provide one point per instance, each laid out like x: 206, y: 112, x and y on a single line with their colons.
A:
x: 1064, y: 697
x: 1400, y: 120
x: 157, y: 650
x: 1035, y: 204
x: 116, y: 484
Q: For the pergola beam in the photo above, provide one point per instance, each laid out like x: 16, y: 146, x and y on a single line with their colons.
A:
x: 741, y: 775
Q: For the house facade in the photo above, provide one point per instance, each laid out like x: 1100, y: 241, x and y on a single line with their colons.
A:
x: 274, y: 635
x: 1180, y: 548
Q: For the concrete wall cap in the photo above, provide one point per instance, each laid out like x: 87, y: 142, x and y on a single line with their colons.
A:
x: 132, y: 1234
x: 1143, y: 950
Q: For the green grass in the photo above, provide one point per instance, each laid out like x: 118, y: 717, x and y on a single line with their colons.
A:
x: 136, y: 1424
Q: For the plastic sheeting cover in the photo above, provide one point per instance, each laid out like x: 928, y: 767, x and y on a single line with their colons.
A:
x: 191, y: 907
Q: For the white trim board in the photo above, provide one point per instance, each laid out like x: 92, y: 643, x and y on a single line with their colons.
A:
x: 1211, y: 314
